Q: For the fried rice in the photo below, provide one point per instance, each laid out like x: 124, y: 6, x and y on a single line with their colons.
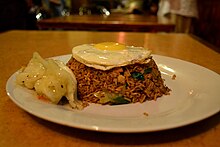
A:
x: 128, y: 84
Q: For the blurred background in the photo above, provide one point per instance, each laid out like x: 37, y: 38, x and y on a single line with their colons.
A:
x: 201, y: 18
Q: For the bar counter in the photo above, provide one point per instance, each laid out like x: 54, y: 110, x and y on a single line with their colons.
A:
x: 19, y: 128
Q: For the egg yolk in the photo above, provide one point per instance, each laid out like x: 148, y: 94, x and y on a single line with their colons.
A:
x: 110, y: 46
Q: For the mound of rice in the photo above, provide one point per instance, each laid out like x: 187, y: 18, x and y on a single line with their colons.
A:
x: 127, y: 84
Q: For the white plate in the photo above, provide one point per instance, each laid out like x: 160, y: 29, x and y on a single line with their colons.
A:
x: 195, y: 96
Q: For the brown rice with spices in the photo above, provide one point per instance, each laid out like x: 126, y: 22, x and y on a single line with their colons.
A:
x: 134, y: 83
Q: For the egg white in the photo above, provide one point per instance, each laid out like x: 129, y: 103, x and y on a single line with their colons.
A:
x: 107, y: 59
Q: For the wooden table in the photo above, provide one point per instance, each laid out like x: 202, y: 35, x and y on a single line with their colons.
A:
x: 114, y: 22
x: 19, y: 128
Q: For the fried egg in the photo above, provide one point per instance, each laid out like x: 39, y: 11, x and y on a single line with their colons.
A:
x: 107, y: 55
